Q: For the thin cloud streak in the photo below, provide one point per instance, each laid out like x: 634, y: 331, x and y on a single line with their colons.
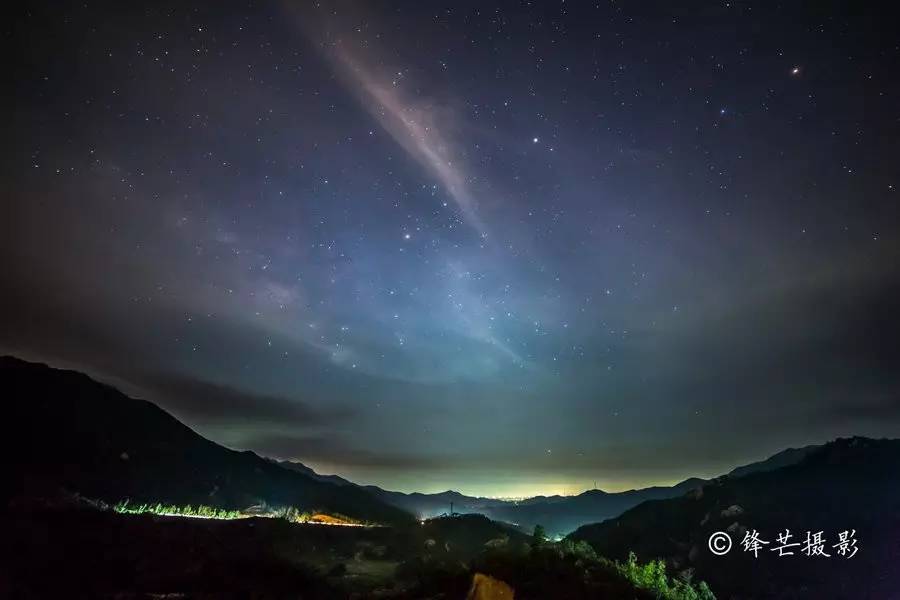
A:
x: 413, y: 126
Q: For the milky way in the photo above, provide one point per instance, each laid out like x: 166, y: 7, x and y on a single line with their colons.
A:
x: 506, y: 248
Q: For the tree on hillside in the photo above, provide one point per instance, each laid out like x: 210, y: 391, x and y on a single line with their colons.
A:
x: 539, y: 536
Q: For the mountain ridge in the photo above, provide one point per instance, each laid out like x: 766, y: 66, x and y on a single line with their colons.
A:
x: 558, y: 514
x: 107, y: 446
x: 846, y: 485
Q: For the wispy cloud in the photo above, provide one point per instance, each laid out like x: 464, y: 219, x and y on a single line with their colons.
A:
x: 211, y: 404
x: 422, y: 128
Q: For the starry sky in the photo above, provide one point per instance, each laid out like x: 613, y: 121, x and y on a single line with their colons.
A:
x: 502, y: 247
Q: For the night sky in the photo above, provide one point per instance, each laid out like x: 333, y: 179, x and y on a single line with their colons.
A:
x: 504, y: 248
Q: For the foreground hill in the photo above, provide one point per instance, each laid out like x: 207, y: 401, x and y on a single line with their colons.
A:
x: 101, y: 554
x: 80, y: 436
x: 849, y: 484
x: 149, y: 556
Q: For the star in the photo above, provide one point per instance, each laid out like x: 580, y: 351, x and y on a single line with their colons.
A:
x: 622, y: 259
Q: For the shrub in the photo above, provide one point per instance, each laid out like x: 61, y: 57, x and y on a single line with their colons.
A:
x: 652, y: 577
x: 208, y: 512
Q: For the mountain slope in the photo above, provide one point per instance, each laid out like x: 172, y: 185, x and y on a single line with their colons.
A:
x: 76, y: 434
x: 299, y: 467
x: 785, y: 458
x: 848, y: 484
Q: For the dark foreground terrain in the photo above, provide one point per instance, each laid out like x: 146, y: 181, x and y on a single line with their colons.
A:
x: 850, y: 485
x: 85, y: 553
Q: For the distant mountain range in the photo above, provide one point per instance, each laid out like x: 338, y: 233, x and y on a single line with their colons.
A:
x: 557, y: 514
x: 89, y: 438
x: 560, y: 515
x: 299, y: 467
x: 76, y: 435
x: 849, y: 485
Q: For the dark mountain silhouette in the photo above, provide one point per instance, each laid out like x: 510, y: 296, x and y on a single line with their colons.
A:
x: 465, y: 535
x: 87, y: 437
x: 849, y: 484
x: 563, y: 514
x: 785, y: 458
x: 431, y: 505
x: 557, y: 514
x: 81, y: 436
x: 299, y: 467
x: 72, y: 434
